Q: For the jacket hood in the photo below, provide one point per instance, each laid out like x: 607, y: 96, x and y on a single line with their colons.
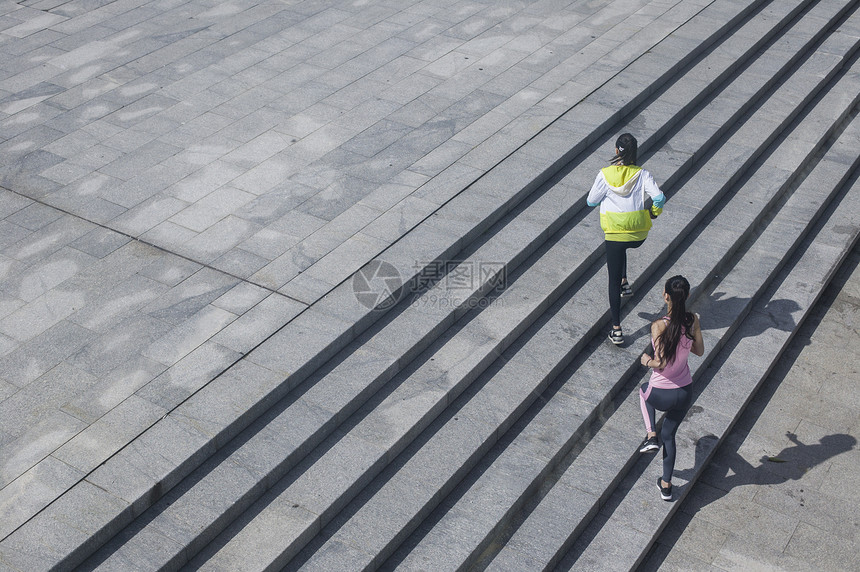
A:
x: 621, y: 178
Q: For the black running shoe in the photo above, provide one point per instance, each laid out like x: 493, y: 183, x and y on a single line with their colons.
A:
x: 665, y: 492
x: 616, y: 337
x: 626, y: 290
x: 649, y: 445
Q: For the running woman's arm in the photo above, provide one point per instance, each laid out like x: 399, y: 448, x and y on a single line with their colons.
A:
x: 656, y: 329
x: 657, y: 197
x: 698, y: 342
x: 597, y: 192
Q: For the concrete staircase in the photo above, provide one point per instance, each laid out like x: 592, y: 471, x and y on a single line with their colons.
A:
x: 477, y: 418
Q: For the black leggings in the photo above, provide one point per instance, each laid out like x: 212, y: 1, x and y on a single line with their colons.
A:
x: 675, y: 402
x: 616, y: 263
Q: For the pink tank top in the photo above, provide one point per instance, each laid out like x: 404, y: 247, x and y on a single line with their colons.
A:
x: 677, y: 372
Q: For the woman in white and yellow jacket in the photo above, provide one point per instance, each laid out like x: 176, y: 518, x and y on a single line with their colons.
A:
x: 620, y: 190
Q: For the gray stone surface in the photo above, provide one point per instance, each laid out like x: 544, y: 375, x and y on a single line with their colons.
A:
x: 776, y: 536
x: 495, y: 407
x: 182, y: 181
x: 27, y: 494
x: 599, y: 549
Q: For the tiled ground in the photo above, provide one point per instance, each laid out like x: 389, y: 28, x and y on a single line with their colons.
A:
x: 180, y: 178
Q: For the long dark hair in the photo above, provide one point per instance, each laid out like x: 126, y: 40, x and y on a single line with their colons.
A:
x: 627, y: 150
x: 680, y: 320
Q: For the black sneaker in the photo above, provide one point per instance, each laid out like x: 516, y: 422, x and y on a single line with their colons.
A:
x: 616, y: 337
x: 665, y: 492
x: 626, y: 290
x: 649, y: 445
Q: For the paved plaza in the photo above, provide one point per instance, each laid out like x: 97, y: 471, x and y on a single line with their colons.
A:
x: 181, y: 179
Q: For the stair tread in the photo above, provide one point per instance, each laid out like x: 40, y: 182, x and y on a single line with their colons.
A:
x: 729, y: 215
x: 266, y: 353
x: 639, y: 509
x: 251, y: 471
x: 528, y: 537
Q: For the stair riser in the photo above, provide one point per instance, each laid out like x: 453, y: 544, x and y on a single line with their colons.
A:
x: 344, y: 340
x: 777, y: 197
x: 776, y: 271
x: 706, y: 459
x: 524, y: 405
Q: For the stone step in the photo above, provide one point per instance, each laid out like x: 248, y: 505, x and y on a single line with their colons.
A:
x: 290, y: 494
x: 461, y: 532
x: 286, y: 453
x: 633, y: 516
x: 131, y: 480
x: 555, y: 524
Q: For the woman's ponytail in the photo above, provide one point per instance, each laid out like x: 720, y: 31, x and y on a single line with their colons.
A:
x: 680, y: 320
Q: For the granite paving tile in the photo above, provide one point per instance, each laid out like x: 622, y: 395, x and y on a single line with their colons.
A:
x: 29, y: 360
x: 271, y: 172
x: 48, y: 239
x: 144, y: 216
x: 240, y: 263
x: 152, y: 464
x: 194, y: 289
x: 211, y: 208
x: 741, y: 554
x: 218, y: 239
x: 204, y: 181
x: 288, y: 265
x: 9, y: 235
x: 81, y: 195
x: 123, y: 340
x: 31, y: 282
x: 37, y: 442
x: 109, y: 391
x: 104, y: 437
x: 42, y: 396
x: 188, y: 375
x: 21, y: 499
x: 258, y: 323
x: 94, y: 157
x: 241, y: 298
x: 166, y: 234
x: 12, y: 203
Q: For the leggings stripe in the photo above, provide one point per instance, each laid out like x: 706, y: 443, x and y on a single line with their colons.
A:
x: 675, y: 402
x: 647, y: 413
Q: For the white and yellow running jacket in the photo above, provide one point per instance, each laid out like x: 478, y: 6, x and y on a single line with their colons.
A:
x: 620, y: 191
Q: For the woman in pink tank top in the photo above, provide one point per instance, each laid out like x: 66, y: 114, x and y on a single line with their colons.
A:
x: 673, y: 337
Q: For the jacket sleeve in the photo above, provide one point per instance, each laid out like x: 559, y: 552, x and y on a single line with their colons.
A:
x: 657, y: 196
x: 597, y: 192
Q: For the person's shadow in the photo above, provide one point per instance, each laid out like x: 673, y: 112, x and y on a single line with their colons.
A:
x: 722, y: 312
x: 792, y: 463
x: 717, y: 312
